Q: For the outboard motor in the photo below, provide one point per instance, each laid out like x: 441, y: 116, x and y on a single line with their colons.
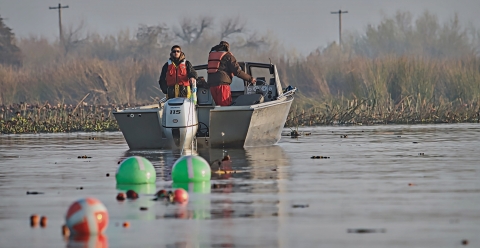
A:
x: 180, y: 122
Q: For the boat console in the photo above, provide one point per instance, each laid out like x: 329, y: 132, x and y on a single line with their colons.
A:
x: 269, y: 92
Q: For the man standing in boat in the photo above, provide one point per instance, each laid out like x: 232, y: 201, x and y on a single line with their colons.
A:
x: 222, y: 66
x: 177, y: 75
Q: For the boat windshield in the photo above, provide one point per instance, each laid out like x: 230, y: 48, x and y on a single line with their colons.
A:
x: 237, y: 83
x: 262, y: 75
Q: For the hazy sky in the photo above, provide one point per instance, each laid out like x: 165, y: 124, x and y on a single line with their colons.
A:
x: 302, y: 24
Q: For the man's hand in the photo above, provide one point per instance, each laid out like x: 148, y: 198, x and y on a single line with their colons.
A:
x: 254, y: 81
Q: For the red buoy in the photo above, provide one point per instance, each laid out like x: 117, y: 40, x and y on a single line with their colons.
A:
x: 180, y: 196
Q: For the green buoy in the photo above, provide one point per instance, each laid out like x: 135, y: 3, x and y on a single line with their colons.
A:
x: 191, y: 169
x: 135, y: 170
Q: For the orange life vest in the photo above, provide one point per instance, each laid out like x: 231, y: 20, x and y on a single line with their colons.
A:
x: 177, y: 74
x: 214, y: 59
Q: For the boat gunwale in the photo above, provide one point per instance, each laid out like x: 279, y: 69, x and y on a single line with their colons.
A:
x: 252, y: 107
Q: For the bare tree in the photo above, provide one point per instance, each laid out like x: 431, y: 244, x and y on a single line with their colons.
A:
x: 74, y: 36
x: 155, y: 35
x: 254, y: 40
x: 191, y: 30
x: 232, y: 26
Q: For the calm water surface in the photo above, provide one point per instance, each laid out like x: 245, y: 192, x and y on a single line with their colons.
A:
x: 364, y: 184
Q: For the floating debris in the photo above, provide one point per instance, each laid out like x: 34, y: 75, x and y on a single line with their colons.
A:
x: 344, y: 136
x: 80, y: 188
x: 215, y: 165
x: 92, y: 138
x: 143, y: 208
x: 366, y: 230
x: 161, y: 193
x: 300, y: 206
x: 65, y: 231
x: 132, y: 194
x: 34, y: 219
x: 34, y: 193
x: 164, y: 195
x: 411, y: 184
x: 126, y: 224
x: 294, y: 134
x: 421, y: 154
x: 220, y: 186
x: 319, y: 157
x: 43, y: 221
x: 307, y: 134
x: 226, y: 158
x: 415, y: 142
x: 121, y: 197
x: 464, y: 242
x: 170, y: 196
x: 222, y: 172
x: 84, y: 156
x: 274, y: 169
x: 108, y: 174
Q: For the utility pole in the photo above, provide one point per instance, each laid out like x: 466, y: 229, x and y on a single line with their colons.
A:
x: 60, y: 7
x: 339, y: 12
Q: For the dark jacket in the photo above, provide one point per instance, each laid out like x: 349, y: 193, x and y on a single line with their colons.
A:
x: 163, y: 75
x: 228, y: 66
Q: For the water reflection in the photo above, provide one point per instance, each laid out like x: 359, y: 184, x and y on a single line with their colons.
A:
x: 365, y: 184
x: 251, y: 163
x: 148, y: 188
x: 88, y: 241
x: 197, y: 187
x: 257, y: 170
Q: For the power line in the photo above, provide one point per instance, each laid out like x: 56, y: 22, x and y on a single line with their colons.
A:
x: 60, y: 7
x: 339, y: 12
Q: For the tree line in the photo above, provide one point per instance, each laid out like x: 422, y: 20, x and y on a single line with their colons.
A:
x: 400, y: 58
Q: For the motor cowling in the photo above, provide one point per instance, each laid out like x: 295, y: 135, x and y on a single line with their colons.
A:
x: 180, y: 122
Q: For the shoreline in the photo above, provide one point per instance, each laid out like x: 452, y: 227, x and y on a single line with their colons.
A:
x: 114, y: 128
x: 31, y: 119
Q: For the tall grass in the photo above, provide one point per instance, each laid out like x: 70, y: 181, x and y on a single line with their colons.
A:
x: 388, y: 89
x: 126, y: 81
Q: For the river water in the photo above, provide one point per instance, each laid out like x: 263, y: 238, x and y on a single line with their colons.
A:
x: 383, y: 186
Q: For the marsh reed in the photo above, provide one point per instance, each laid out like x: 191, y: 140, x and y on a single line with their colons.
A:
x: 364, y: 112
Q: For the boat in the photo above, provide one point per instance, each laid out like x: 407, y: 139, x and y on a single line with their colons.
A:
x: 256, y: 117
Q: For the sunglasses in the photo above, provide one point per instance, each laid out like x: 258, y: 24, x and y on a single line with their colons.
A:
x: 176, y: 51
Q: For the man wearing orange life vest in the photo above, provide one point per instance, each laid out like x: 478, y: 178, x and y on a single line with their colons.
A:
x: 177, y: 75
x: 222, y: 66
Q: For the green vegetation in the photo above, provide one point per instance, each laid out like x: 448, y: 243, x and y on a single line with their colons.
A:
x: 24, y: 118
x: 400, y: 71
